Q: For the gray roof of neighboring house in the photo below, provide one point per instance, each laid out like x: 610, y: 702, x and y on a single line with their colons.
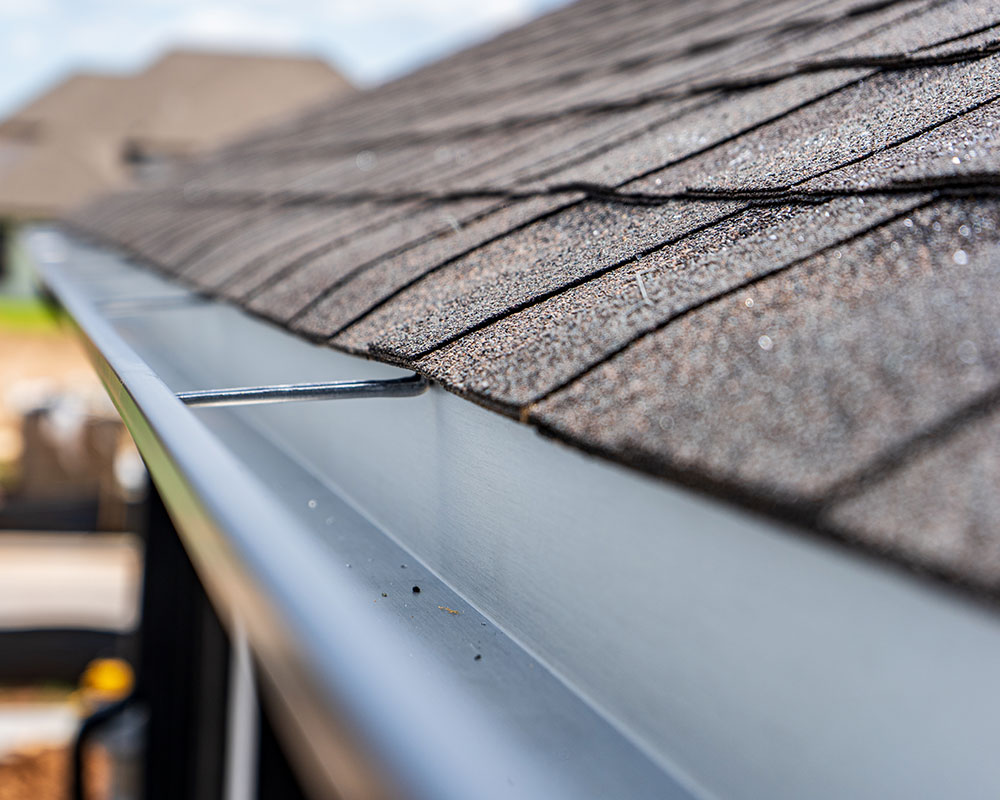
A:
x: 72, y: 143
x: 748, y: 246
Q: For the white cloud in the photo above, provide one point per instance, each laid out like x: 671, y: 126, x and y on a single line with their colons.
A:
x: 25, y: 9
x: 451, y: 13
x: 239, y: 27
x: 24, y: 44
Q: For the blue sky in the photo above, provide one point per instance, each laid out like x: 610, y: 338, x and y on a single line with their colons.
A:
x: 370, y: 40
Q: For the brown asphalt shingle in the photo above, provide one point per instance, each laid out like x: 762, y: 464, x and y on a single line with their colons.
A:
x: 373, y: 283
x: 940, y: 506
x: 523, y: 357
x: 744, y: 245
x: 587, y: 239
x: 820, y: 369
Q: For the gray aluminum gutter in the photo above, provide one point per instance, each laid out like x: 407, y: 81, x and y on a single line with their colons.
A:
x: 637, y: 640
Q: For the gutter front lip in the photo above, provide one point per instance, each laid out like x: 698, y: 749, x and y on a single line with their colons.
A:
x: 175, y: 446
x: 363, y: 732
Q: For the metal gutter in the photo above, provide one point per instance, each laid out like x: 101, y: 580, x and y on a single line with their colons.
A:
x: 381, y: 695
x: 637, y: 640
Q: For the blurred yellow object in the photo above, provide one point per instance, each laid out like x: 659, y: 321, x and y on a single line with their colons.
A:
x: 104, y: 681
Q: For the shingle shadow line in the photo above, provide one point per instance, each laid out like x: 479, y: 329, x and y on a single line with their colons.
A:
x: 612, y: 192
x: 525, y: 411
x: 562, y: 288
x: 585, y: 156
x: 597, y: 192
x: 205, y: 198
x: 553, y: 81
x: 182, y: 264
x: 411, y: 137
x: 887, y: 62
x: 924, y: 201
x: 273, y: 280
x: 330, y: 290
x: 933, y: 436
x: 364, y: 267
x: 395, y: 293
x: 360, y: 269
x: 326, y: 293
x: 351, y: 146
x: 519, y: 88
x: 323, y: 247
x: 774, y: 199
x: 291, y: 268
x: 769, y: 30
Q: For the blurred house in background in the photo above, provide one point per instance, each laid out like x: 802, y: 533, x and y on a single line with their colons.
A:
x: 93, y: 132
x: 65, y: 461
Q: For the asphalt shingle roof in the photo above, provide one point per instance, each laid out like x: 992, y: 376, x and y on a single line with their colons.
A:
x: 748, y: 246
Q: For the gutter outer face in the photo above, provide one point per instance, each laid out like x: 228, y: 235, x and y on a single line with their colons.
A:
x: 635, y: 639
